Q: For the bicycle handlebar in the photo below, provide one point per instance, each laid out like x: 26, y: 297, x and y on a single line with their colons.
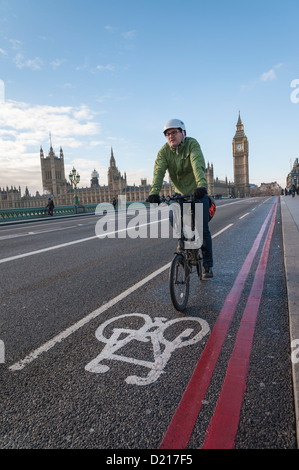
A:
x: 178, y: 196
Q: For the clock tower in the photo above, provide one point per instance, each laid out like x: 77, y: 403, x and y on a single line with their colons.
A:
x: 240, y: 157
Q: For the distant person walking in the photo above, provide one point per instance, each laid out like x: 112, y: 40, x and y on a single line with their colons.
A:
x: 50, y: 207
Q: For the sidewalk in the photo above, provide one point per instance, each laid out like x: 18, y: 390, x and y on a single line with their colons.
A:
x: 290, y: 231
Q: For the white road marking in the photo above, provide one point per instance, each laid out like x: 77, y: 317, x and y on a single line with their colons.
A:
x: 72, y: 329
x: 74, y: 242
x: 223, y: 230
x: 242, y: 216
x: 96, y: 313
x: 151, y: 331
x: 38, y: 232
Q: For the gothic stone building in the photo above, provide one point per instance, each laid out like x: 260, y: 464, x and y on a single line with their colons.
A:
x: 293, y: 176
x: 56, y: 185
x: 53, y: 173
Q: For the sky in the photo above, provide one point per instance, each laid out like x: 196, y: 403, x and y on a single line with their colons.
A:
x: 101, y: 74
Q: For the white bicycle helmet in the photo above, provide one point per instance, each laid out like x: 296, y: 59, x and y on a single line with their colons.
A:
x: 174, y: 124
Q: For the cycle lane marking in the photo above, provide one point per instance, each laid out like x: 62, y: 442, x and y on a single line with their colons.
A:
x: 223, y: 427
x: 181, y: 426
x: 152, y: 331
x: 84, y: 321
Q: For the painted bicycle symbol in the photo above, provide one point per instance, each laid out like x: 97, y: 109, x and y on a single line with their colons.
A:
x: 151, y: 330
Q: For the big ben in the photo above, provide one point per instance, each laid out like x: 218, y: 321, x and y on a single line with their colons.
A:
x: 240, y: 156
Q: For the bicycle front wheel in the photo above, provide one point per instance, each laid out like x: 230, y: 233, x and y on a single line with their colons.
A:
x: 179, y: 282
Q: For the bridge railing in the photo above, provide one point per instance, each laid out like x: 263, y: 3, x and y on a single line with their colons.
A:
x: 42, y: 212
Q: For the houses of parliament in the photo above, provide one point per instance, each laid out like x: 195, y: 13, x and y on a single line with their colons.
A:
x: 55, y: 184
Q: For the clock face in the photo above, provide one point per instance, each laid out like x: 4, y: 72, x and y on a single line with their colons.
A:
x: 239, y: 147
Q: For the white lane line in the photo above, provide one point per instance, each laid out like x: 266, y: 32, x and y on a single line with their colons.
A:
x: 69, y: 331
x: 72, y: 329
x: 46, y: 229
x: 75, y: 242
x: 242, y: 216
x: 40, y: 232
x: 223, y: 230
x: 83, y: 240
x: 44, y: 250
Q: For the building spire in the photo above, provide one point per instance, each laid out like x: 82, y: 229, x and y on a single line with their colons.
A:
x: 112, y: 159
x: 239, y: 127
x: 239, y: 123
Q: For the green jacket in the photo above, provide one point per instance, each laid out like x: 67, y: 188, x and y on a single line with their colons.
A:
x: 185, y: 165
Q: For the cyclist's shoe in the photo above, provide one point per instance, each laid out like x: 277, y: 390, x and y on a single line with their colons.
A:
x: 207, y: 272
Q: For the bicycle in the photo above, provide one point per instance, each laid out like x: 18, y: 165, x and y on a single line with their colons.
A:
x: 184, y: 261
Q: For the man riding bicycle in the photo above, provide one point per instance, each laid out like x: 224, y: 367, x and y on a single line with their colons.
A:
x: 184, y: 160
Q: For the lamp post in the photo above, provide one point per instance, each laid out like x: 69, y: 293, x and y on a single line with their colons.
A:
x: 75, y: 179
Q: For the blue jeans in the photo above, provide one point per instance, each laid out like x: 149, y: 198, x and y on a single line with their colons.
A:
x: 207, y: 247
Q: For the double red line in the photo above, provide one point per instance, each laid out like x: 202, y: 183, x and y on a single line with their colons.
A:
x: 223, y: 427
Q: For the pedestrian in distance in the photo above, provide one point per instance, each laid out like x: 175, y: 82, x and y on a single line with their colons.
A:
x: 50, y: 207
x: 182, y: 157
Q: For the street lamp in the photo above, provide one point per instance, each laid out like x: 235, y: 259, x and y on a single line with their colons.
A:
x: 75, y: 179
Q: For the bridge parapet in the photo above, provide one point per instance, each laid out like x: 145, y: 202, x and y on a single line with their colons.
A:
x: 42, y: 212
x: 11, y: 215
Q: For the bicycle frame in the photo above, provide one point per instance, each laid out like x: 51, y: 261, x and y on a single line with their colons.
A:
x: 185, y: 258
x: 183, y: 239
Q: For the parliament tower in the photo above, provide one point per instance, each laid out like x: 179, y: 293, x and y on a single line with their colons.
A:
x: 240, y: 157
x: 116, y: 181
x: 53, y: 174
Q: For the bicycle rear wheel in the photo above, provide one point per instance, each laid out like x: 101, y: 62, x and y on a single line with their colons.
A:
x: 179, y: 282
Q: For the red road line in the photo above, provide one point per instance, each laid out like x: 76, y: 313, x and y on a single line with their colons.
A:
x: 181, y: 426
x: 223, y: 427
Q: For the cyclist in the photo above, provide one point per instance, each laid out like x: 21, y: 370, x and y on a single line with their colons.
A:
x: 184, y: 160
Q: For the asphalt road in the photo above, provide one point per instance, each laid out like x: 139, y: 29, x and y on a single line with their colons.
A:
x: 97, y: 357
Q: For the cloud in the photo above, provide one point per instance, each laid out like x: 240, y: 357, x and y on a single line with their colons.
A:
x: 270, y: 75
x: 68, y: 85
x: 111, y: 29
x: 265, y: 77
x: 135, y: 176
x: 86, y: 168
x: 57, y: 63
x: 130, y: 34
x: 15, y: 44
x: 108, y: 67
x: 24, y: 128
x: 33, y: 64
x: 97, y: 143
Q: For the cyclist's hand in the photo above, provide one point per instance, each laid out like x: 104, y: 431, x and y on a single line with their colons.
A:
x: 200, y: 192
x: 154, y: 198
